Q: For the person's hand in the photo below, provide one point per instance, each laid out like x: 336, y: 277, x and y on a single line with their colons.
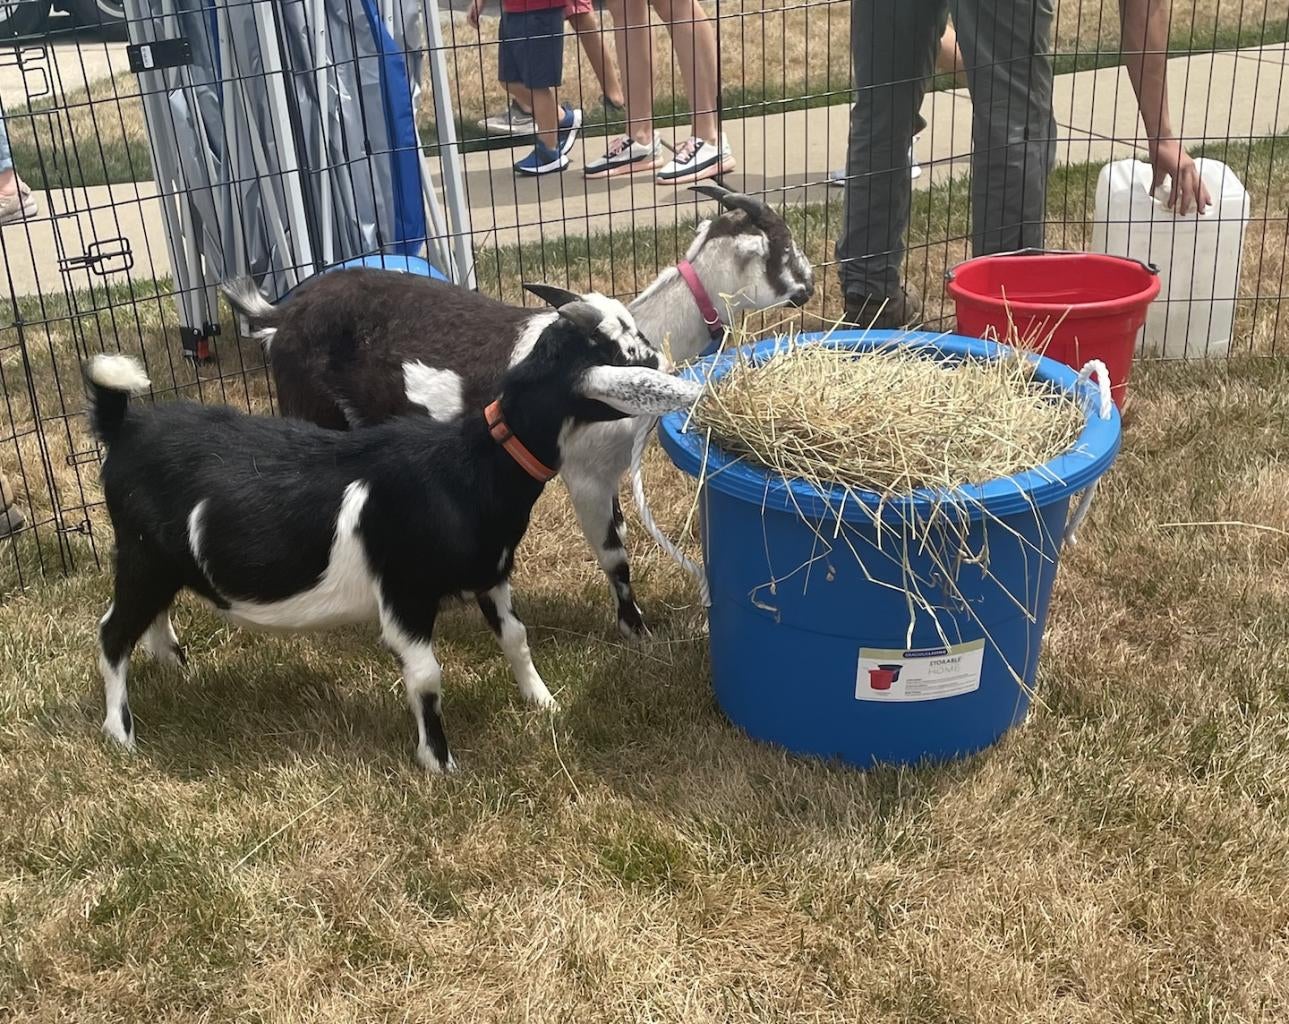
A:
x: 472, y: 15
x: 1170, y: 160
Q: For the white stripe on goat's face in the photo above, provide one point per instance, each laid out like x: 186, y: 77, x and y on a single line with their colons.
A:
x: 440, y: 392
x: 619, y: 326
x: 529, y: 335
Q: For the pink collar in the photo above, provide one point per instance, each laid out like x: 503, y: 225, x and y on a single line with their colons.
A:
x: 706, y: 307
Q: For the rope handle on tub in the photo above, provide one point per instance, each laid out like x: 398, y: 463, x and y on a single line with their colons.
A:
x: 646, y: 516
x: 1105, y: 407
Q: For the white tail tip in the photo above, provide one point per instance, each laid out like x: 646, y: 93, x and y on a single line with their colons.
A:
x: 247, y: 300
x: 118, y: 373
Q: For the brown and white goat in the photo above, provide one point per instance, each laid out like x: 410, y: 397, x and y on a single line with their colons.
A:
x: 356, y: 347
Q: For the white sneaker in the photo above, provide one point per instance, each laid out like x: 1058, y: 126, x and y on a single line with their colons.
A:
x: 695, y: 160
x: 625, y: 156
x: 514, y: 120
x: 19, y: 206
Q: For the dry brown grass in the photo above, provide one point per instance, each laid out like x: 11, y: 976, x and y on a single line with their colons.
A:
x: 272, y: 854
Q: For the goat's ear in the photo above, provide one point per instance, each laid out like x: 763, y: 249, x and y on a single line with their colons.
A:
x: 581, y: 313
x: 638, y: 390
x: 553, y: 295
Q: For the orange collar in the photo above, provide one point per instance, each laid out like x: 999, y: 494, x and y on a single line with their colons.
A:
x: 504, y: 436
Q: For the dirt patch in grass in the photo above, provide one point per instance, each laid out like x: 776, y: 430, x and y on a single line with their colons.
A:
x: 272, y: 853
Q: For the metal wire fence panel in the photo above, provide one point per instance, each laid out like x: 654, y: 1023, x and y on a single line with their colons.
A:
x: 279, y: 139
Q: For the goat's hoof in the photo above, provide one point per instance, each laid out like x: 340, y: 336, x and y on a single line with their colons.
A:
x: 115, y: 731
x: 425, y: 756
x: 634, y: 629
x: 543, y: 700
x: 171, y: 655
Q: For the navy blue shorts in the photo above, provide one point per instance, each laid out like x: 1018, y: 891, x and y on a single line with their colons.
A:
x: 532, y: 48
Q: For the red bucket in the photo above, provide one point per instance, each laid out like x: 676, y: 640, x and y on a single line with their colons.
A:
x: 1103, y: 300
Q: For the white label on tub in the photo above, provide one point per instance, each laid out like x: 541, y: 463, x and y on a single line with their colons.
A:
x: 930, y: 674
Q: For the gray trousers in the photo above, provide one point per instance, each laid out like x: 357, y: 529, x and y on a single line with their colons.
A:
x: 1006, y: 47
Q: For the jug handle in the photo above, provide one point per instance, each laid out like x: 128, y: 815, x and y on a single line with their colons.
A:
x: 1150, y: 268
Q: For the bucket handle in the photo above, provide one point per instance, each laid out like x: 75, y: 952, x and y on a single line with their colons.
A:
x: 1104, y: 409
x: 1150, y: 268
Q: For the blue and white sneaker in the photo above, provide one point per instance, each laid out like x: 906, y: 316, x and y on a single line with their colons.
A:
x: 570, y: 120
x: 542, y: 160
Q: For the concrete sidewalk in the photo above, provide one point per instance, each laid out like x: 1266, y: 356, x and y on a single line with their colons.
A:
x: 71, y: 60
x: 1240, y: 94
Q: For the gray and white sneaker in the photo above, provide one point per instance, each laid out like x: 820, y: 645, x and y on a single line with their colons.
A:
x: 514, y: 120
x: 625, y: 156
x: 696, y: 159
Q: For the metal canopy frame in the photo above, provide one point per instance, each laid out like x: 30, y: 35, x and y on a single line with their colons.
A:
x: 283, y: 140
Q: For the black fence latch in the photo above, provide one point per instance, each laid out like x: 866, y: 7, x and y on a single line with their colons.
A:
x: 99, y: 256
x: 158, y: 54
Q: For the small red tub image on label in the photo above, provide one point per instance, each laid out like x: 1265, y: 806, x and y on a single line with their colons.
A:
x: 883, y: 676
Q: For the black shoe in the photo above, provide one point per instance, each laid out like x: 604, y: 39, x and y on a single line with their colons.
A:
x: 883, y: 313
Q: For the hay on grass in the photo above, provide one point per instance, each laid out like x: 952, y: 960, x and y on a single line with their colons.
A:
x: 891, y: 421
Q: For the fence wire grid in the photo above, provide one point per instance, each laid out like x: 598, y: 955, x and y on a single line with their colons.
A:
x: 772, y: 89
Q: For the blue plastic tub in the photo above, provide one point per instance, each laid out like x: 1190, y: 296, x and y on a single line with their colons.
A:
x: 381, y: 261
x: 819, y: 661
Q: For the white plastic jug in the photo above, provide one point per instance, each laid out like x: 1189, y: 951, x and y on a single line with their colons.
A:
x: 1198, y: 256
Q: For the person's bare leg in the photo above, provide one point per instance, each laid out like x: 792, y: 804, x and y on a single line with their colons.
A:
x: 694, y: 40
x: 634, y: 43
x: 8, y: 182
x: 546, y: 115
x: 948, y: 61
x: 587, y: 27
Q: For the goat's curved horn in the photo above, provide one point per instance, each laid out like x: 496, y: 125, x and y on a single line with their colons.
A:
x: 712, y: 191
x: 583, y: 315
x: 753, y: 206
x: 555, y: 296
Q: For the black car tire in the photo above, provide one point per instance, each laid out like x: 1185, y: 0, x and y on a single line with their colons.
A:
x: 22, y: 18
x: 108, y: 16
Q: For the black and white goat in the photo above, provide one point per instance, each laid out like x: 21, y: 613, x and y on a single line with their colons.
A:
x: 360, y: 346
x: 284, y: 525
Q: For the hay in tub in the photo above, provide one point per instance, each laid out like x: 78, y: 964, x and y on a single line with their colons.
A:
x: 891, y: 421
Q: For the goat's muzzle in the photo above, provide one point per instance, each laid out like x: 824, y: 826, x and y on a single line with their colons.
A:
x: 803, y: 293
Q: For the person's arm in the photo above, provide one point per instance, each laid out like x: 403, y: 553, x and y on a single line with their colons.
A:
x: 1144, y: 42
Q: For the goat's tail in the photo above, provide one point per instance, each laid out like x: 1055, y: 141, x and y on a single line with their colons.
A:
x: 112, y: 379
x: 246, y: 300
